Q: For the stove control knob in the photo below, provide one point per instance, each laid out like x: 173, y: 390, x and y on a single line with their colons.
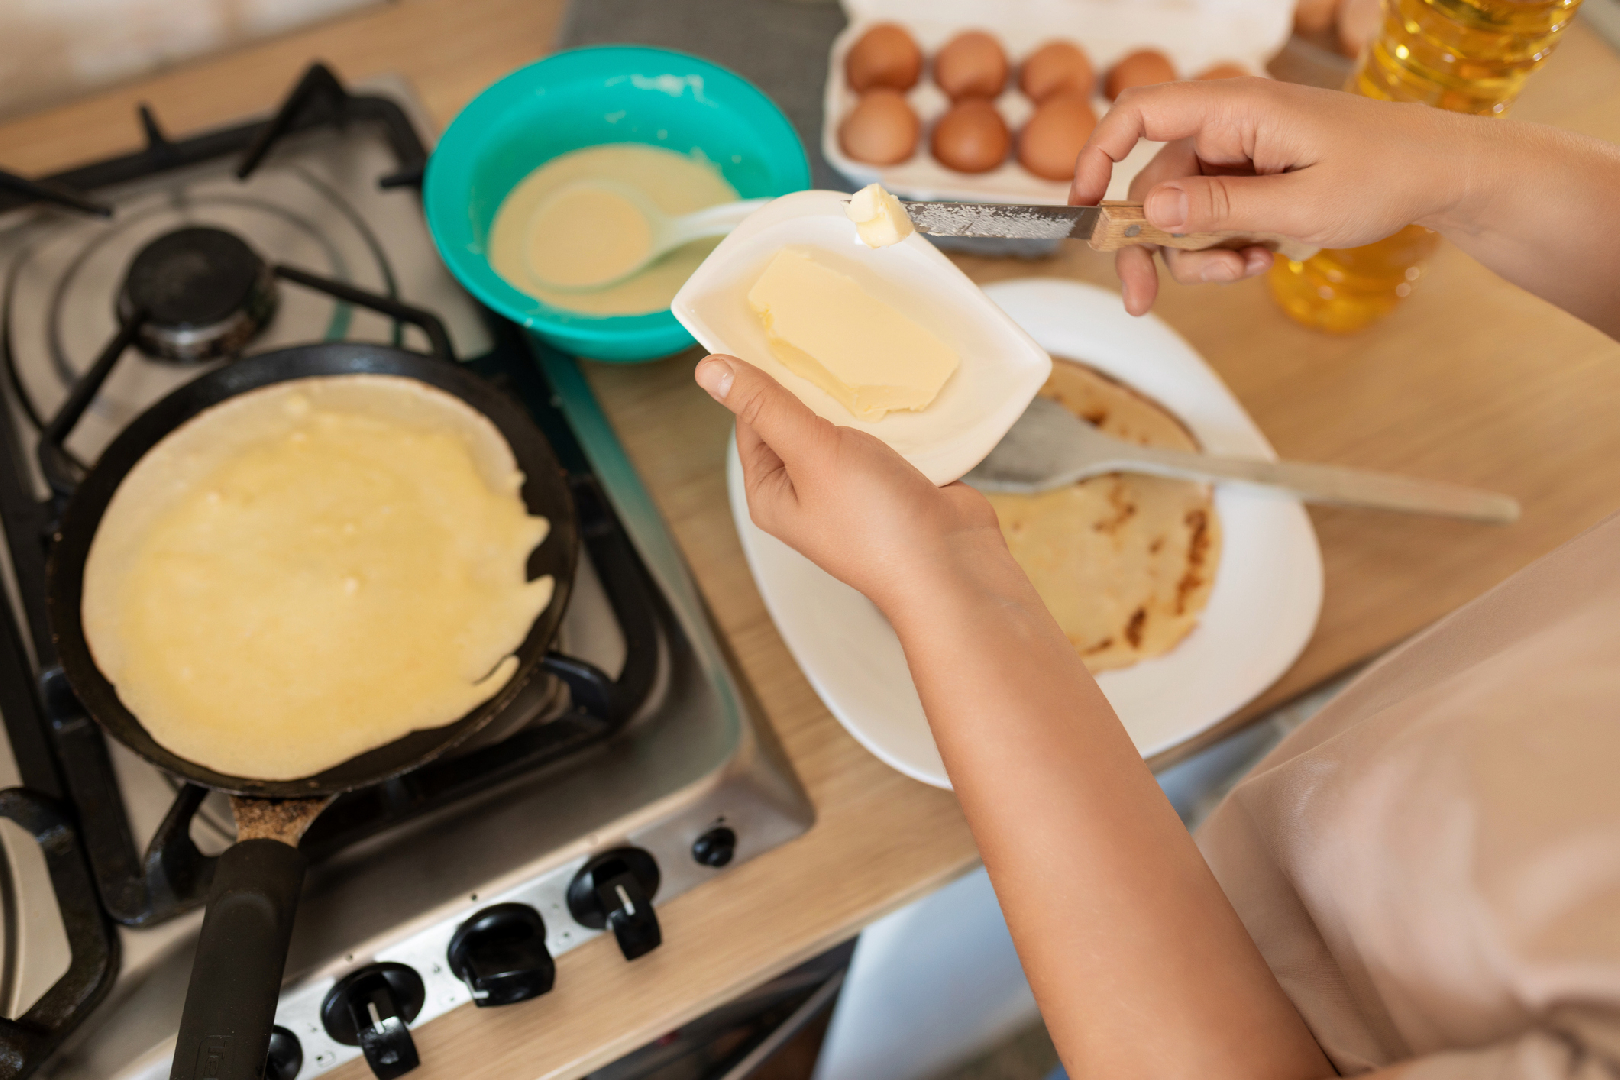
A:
x: 716, y: 847
x: 285, y: 1056
x: 501, y: 954
x: 370, y: 1008
x: 615, y: 890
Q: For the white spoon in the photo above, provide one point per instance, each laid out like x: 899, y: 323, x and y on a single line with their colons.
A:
x: 596, y: 233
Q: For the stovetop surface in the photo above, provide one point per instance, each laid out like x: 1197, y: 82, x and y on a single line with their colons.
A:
x: 398, y: 865
x: 315, y: 204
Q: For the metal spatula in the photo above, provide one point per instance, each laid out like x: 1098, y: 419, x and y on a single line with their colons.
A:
x: 1050, y: 447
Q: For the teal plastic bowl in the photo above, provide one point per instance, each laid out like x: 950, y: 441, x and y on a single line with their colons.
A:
x: 587, y: 97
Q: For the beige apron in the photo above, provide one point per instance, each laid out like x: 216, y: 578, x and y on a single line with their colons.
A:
x: 1432, y: 865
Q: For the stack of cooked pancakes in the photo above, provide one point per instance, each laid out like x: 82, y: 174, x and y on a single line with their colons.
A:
x: 1124, y: 562
x: 312, y: 570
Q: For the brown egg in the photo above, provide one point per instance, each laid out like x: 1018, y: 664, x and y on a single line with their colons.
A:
x: 1054, y: 67
x: 884, y: 56
x: 972, y: 137
x: 1144, y: 67
x: 971, y: 65
x: 1052, y: 139
x: 881, y: 129
x: 1226, y: 69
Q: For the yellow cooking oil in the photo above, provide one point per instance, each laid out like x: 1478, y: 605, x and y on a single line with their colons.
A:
x: 1469, y: 56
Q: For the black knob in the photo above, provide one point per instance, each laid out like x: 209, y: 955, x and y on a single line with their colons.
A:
x: 715, y: 847
x: 500, y: 953
x: 370, y: 1008
x: 615, y: 889
x: 285, y: 1056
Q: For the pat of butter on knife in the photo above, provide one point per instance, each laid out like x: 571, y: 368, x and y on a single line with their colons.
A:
x: 825, y: 328
x: 878, y: 216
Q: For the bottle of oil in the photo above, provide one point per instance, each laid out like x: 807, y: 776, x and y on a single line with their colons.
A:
x: 1469, y: 56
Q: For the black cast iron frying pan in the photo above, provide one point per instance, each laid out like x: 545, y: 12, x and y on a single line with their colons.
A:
x: 236, y: 977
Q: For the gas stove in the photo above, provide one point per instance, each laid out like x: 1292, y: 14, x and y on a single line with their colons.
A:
x: 637, y: 755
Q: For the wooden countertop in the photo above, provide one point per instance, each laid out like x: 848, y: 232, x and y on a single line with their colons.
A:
x: 1471, y: 381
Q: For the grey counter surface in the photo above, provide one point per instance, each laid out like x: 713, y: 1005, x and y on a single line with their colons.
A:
x: 779, y: 45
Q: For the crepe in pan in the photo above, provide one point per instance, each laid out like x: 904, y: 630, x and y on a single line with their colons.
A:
x: 312, y: 570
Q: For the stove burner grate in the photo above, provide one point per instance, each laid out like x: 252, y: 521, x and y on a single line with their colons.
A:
x: 204, y: 292
x: 97, y: 868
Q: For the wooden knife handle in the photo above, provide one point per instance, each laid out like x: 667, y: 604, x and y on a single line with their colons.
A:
x: 1124, y: 223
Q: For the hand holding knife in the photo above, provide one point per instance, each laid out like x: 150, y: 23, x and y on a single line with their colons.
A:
x: 1108, y: 226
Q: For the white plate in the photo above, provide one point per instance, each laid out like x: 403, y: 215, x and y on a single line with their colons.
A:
x: 1194, y: 34
x: 1002, y: 366
x: 1262, y: 609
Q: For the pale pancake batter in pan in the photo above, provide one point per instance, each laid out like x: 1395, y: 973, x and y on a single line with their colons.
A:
x: 1124, y: 562
x: 312, y: 570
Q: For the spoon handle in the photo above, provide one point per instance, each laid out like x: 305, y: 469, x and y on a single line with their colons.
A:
x: 714, y: 221
x: 1327, y: 484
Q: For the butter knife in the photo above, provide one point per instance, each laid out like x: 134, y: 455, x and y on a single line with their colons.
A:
x: 1107, y: 227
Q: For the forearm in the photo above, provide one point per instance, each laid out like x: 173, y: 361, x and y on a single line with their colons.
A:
x: 1139, y: 963
x: 1541, y: 207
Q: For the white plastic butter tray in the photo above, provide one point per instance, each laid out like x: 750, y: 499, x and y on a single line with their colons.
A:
x: 1001, y: 366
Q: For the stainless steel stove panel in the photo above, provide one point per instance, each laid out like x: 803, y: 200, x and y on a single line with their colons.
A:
x: 691, y: 758
x: 314, y: 205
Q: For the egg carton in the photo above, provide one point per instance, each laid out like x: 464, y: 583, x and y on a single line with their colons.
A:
x: 1194, y: 34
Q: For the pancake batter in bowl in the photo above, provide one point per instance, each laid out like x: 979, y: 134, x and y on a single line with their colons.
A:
x: 312, y: 570
x: 528, y: 250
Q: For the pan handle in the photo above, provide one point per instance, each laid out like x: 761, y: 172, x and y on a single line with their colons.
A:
x: 236, y: 977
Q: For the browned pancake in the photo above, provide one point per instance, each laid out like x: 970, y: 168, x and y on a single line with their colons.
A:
x: 1124, y: 562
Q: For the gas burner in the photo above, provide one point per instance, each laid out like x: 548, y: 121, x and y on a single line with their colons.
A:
x: 205, y: 293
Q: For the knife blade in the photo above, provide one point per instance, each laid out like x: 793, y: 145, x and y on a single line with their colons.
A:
x: 1011, y: 221
x: 1106, y: 227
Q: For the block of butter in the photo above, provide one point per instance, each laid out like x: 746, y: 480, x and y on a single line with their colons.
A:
x: 822, y: 325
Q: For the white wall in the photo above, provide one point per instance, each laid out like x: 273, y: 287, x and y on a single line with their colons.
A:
x: 53, y: 50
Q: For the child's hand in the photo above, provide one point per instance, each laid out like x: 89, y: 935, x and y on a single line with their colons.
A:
x: 1254, y: 155
x: 844, y: 499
